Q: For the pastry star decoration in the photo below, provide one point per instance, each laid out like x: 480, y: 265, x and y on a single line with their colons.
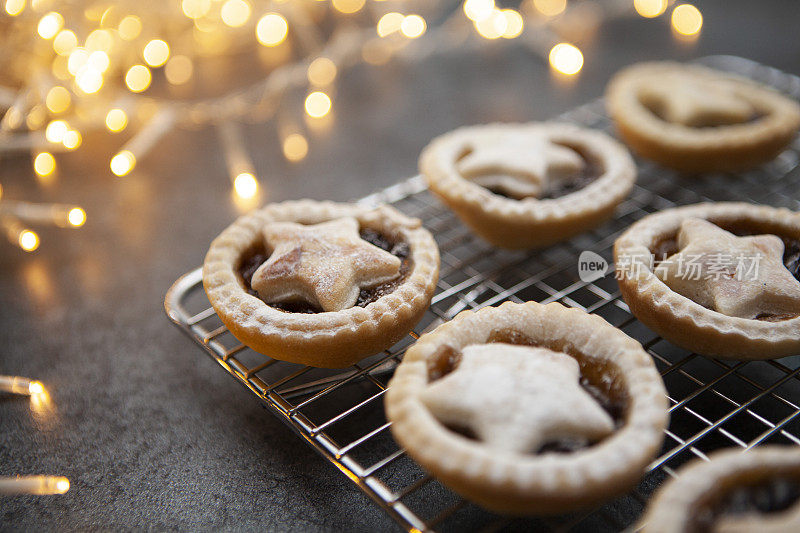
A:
x: 737, y: 276
x: 517, y: 398
x: 780, y: 522
x: 520, y: 165
x: 325, y: 264
x: 697, y: 103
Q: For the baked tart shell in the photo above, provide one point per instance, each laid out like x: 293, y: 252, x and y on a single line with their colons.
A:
x: 326, y: 339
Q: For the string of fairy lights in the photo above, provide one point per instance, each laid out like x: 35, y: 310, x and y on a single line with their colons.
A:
x: 95, y: 65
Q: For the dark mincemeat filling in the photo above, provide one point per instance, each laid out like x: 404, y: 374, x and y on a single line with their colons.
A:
x: 592, y: 170
x: 607, y: 393
x: 253, y: 260
x: 772, y: 496
x: 791, y: 256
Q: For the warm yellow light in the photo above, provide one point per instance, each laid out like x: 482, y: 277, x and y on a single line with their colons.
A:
x: 245, y: 185
x: 28, y: 240
x: 116, y: 120
x: 348, y: 6
x: 318, y: 104
x: 89, y: 80
x: 36, y: 117
x: 687, y: 19
x: 514, y: 24
x: 195, y: 9
x: 49, y: 25
x: 100, y: 40
x: 76, y: 217
x: 235, y: 13
x: 272, y: 29
x: 35, y: 387
x: 122, y: 163
x: 413, y: 26
x: 156, y: 53
x: 14, y: 7
x: 138, y: 78
x: 72, y: 139
x: 321, y: 71
x: 62, y: 485
x: 65, y: 42
x: 54, y: 132
x: 77, y: 60
x: 58, y: 99
x: 566, y: 58
x: 492, y: 27
x: 129, y: 27
x: 99, y: 61
x: 550, y: 8
x: 476, y: 10
x: 178, y: 70
x: 389, y: 23
x: 44, y: 164
x: 295, y: 147
x: 650, y: 8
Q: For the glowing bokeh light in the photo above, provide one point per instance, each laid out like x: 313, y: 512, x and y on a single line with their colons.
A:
x: 348, y: 6
x: 65, y: 42
x: 566, y: 58
x: 55, y: 130
x: 76, y: 217
x: 235, y: 13
x: 58, y: 99
x: 321, y: 71
x: 272, y: 29
x: 687, y: 20
x: 650, y: 8
x: 318, y: 104
x: 413, y: 26
x: 50, y: 25
x: 295, y: 147
x: 389, y: 23
x: 15, y: 7
x: 514, y: 24
x: 122, y: 163
x: 476, y: 10
x: 129, y: 27
x: 116, y: 120
x: 178, y: 70
x: 156, y: 53
x: 550, y: 8
x: 138, y: 78
x: 245, y: 185
x: 28, y: 240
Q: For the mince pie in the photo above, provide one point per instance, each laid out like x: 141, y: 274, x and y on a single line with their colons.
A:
x: 529, y: 408
x: 735, y: 491
x: 320, y: 283
x: 528, y: 185
x: 696, y: 119
x: 720, y: 279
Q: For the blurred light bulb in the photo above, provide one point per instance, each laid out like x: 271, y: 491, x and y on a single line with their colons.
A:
x: 65, y: 42
x: 566, y: 58
x: 122, y: 163
x: 35, y: 387
x: 687, y: 20
x: 476, y: 10
x: 514, y: 24
x: 28, y: 240
x: 348, y: 6
x: 76, y: 217
x: 129, y: 27
x: 318, y: 104
x: 245, y: 185
x: 179, y: 70
x: 58, y: 99
x: 15, y: 7
x: 72, y: 139
x: 138, y: 78
x: 99, y: 40
x: 116, y: 120
x: 272, y: 29
x: 235, y: 13
x: 321, y: 71
x: 156, y: 53
x: 413, y: 26
x: 389, y: 23
x: 550, y: 8
x: 492, y: 26
x: 650, y: 8
x: 54, y: 132
x: 99, y: 61
x: 195, y: 9
x: 44, y: 164
x: 89, y: 80
x: 295, y: 147
x: 49, y: 25
x: 77, y: 60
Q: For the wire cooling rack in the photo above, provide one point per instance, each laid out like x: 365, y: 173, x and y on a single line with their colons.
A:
x: 714, y: 403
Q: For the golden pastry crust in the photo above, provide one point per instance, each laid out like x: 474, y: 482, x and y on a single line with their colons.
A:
x: 726, y: 147
x: 512, y: 482
x: 326, y: 339
x: 529, y: 222
x: 675, y: 505
x: 679, y: 319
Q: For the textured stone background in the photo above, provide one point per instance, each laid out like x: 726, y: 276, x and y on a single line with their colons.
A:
x: 150, y: 432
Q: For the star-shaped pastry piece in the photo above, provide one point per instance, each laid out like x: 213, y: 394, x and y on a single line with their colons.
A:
x: 325, y: 265
x: 737, y: 276
x: 520, y: 165
x: 780, y: 522
x: 697, y: 103
x: 518, y: 398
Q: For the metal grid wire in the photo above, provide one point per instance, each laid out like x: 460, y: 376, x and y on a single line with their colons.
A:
x: 714, y: 403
